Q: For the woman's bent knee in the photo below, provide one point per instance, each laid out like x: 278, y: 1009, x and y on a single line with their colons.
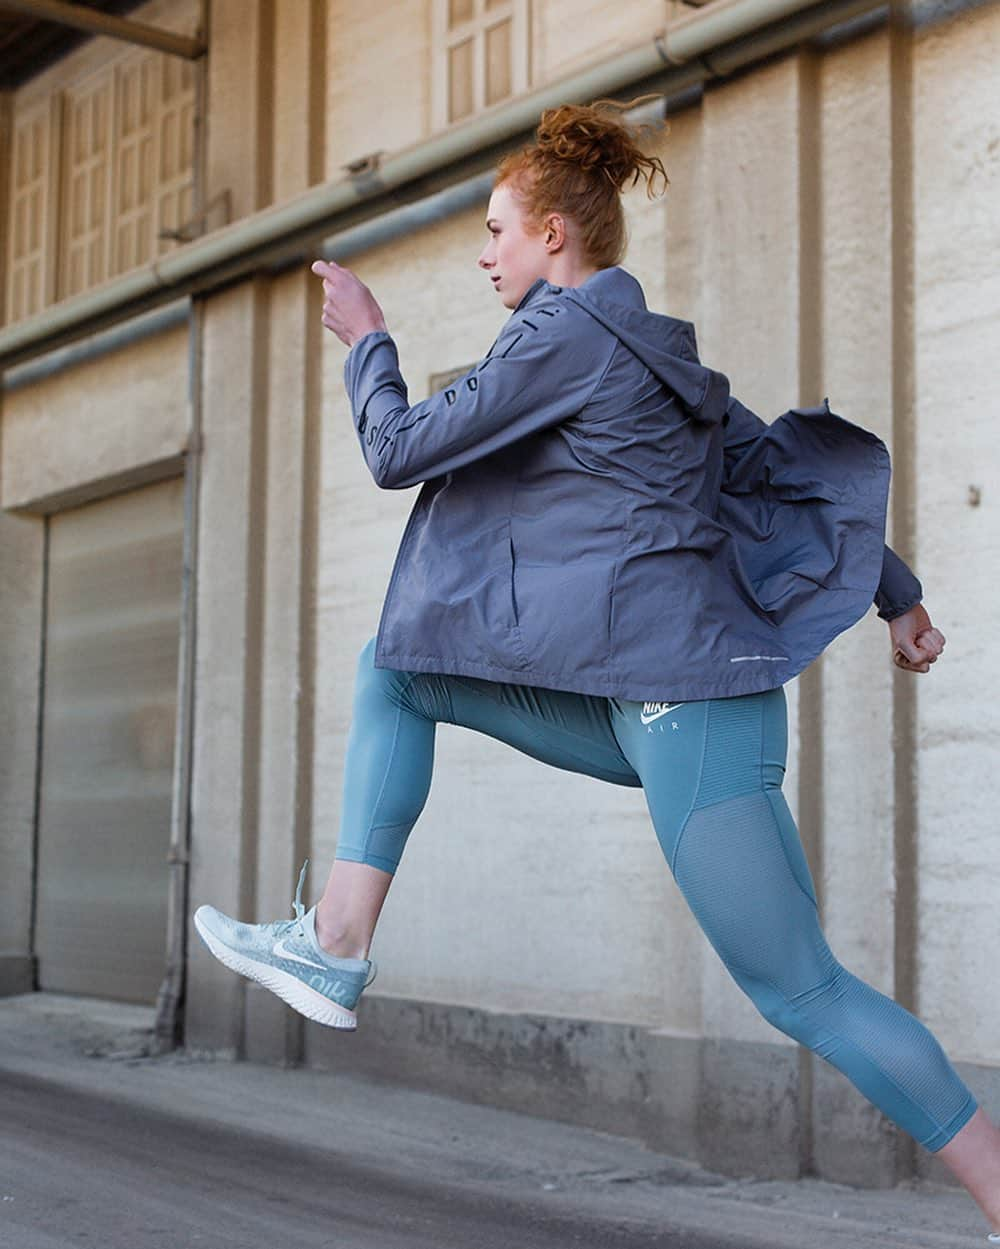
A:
x: 421, y: 694
x: 378, y: 683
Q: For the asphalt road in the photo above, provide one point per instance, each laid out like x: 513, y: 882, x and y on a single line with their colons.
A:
x: 79, y: 1169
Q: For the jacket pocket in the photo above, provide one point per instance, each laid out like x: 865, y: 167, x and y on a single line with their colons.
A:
x: 513, y: 588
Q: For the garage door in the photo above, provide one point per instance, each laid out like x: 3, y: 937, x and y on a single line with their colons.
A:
x: 109, y: 710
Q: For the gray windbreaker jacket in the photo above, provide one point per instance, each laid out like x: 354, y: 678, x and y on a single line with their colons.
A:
x: 600, y: 515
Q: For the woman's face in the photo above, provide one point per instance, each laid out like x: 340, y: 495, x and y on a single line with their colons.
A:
x: 513, y: 257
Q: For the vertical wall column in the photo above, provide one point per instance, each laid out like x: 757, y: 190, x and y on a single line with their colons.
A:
x: 6, y: 156
x: 750, y: 310
x: 954, y: 183
x: 22, y: 580
x: 861, y: 890
x: 251, y: 780
x: 230, y: 564
x: 273, y: 1032
x: 680, y: 219
x: 224, y: 773
x: 903, y: 518
x: 812, y: 682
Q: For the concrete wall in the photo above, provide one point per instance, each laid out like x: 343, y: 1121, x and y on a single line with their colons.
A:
x: 956, y: 328
x: 852, y: 312
x: 106, y: 424
x: 828, y: 233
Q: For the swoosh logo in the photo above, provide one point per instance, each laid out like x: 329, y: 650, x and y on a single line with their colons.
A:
x: 279, y: 951
x: 663, y: 709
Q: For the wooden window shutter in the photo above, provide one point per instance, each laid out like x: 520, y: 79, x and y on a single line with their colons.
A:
x: 480, y: 56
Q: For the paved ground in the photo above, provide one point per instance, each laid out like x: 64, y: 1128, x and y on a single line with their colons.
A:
x: 103, y: 1145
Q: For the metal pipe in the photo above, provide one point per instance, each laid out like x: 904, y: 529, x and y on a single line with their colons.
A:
x: 169, y: 999
x: 340, y: 246
x: 287, y: 232
x: 97, y: 23
x: 125, y: 334
x: 168, y: 1028
x: 425, y: 212
x: 724, y: 21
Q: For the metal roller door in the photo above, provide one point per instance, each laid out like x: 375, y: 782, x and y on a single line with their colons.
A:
x: 109, y: 710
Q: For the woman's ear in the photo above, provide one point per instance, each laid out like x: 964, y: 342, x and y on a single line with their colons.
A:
x: 555, y: 232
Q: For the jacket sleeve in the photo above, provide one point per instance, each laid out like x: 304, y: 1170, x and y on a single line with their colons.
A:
x: 898, y: 590
x: 540, y: 371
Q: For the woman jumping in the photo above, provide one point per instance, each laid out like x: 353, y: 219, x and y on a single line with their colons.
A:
x: 614, y: 566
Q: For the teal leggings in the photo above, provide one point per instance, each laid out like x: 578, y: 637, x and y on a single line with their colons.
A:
x: 711, y: 771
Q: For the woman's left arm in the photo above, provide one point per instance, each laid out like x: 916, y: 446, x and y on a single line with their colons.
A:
x: 916, y: 644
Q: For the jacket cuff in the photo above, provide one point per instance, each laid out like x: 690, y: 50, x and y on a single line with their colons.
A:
x: 898, y: 590
x: 372, y: 365
x: 361, y: 352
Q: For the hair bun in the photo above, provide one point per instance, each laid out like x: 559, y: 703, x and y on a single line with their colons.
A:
x: 591, y: 139
x: 581, y: 161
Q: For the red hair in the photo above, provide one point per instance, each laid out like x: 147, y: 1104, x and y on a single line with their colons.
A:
x: 578, y: 166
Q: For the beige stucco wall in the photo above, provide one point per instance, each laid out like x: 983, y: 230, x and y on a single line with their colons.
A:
x: 956, y: 128
x: 102, y: 425
x: 566, y: 34
x: 811, y: 264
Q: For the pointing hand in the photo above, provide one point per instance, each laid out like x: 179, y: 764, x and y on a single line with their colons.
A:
x: 349, y: 307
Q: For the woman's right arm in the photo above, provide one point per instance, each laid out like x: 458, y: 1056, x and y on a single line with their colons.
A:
x: 540, y: 371
x: 543, y: 368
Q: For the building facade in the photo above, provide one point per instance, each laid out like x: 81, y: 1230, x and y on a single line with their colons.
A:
x: 192, y: 552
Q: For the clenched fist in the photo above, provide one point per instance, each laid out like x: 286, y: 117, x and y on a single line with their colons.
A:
x: 349, y: 307
x: 916, y: 643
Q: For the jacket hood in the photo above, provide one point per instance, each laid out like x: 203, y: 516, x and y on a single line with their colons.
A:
x: 666, y: 345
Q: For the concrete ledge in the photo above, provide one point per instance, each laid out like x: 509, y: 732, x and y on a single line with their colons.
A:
x: 750, y: 1113
x: 103, y: 487
x: 17, y: 974
x: 733, y: 1107
x: 735, y: 1104
x: 853, y: 1142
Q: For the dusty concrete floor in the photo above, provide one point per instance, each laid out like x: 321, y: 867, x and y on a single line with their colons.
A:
x: 103, y: 1144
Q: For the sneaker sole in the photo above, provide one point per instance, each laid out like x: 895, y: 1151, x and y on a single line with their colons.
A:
x: 291, y: 990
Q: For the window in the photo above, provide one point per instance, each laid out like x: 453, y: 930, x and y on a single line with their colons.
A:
x: 438, y: 381
x: 480, y: 56
x: 100, y: 168
x: 32, y: 220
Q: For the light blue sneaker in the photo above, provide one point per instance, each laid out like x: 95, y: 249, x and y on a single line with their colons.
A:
x: 286, y: 958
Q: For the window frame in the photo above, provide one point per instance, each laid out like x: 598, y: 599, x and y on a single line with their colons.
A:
x: 444, y: 39
x: 167, y: 198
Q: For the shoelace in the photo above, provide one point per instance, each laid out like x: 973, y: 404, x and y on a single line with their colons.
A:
x: 300, y: 912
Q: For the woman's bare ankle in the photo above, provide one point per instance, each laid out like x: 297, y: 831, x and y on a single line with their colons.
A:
x: 340, y: 940
x: 349, y: 907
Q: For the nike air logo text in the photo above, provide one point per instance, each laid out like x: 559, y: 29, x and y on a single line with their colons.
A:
x: 653, y: 711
